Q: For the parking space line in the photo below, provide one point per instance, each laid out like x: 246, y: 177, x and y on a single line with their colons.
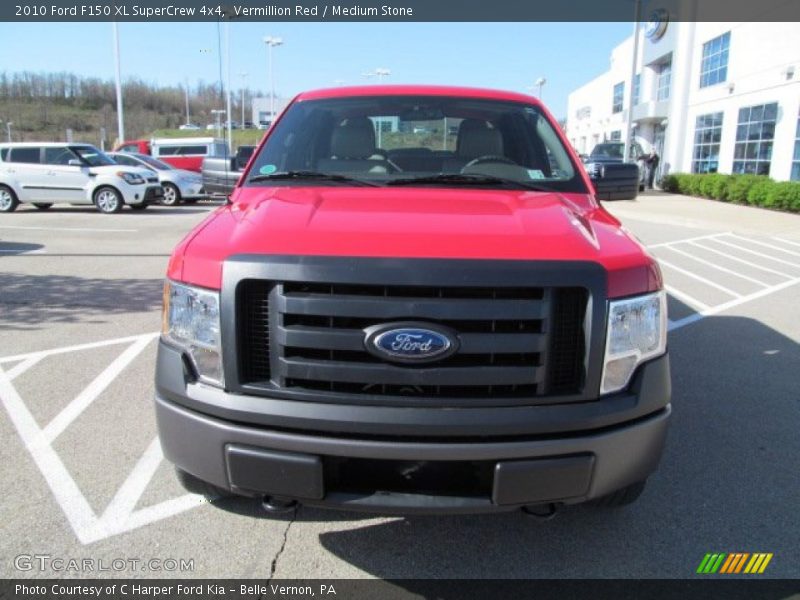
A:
x: 765, y: 245
x: 19, y: 369
x: 761, y: 254
x: 713, y: 266
x: 790, y: 242
x: 128, y: 494
x: 692, y: 302
x: 708, y: 282
x: 731, y: 304
x: 77, y: 347
x: 74, y: 409
x: 691, y: 239
x: 743, y: 261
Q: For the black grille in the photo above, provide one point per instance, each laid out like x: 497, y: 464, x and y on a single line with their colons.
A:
x: 514, y: 342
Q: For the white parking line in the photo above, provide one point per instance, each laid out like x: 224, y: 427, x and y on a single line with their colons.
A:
x: 120, y: 515
x: 708, y: 282
x: 790, y: 242
x: 714, y: 266
x: 82, y: 401
x: 753, y: 252
x: 686, y: 240
x: 765, y: 245
x: 77, y: 347
x: 741, y: 260
x: 693, y: 302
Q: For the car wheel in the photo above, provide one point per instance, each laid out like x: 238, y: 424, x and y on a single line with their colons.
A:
x: 42, y: 205
x: 8, y: 199
x: 172, y: 195
x: 197, y: 486
x: 108, y: 200
x: 623, y: 497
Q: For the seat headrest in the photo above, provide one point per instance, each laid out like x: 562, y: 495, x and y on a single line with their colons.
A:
x: 353, y: 138
x: 476, y: 138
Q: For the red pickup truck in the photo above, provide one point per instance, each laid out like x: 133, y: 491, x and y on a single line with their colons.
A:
x: 413, y: 302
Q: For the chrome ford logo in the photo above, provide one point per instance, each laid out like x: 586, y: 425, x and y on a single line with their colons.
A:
x: 410, y: 342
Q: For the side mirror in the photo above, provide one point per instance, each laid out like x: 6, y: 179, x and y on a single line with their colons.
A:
x: 74, y: 162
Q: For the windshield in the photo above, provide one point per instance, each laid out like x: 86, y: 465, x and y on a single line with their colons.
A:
x: 93, y: 156
x: 154, y: 163
x: 416, y: 140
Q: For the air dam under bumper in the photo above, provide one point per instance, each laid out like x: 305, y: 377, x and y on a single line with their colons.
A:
x: 508, y: 473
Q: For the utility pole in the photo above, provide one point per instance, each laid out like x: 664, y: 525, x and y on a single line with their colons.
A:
x: 120, y: 118
x: 186, y: 92
x: 243, y: 75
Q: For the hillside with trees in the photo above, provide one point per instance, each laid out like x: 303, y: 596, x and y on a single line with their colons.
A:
x: 43, y: 106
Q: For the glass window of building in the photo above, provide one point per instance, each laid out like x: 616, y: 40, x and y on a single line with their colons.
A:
x: 637, y: 83
x: 664, y: 79
x: 616, y: 136
x: 795, y: 175
x: 714, y: 66
x: 707, y: 136
x: 754, y: 135
x: 619, y: 94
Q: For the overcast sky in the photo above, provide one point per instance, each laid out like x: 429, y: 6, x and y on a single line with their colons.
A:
x: 498, y: 55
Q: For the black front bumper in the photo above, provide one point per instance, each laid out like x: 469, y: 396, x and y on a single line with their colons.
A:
x: 518, y: 455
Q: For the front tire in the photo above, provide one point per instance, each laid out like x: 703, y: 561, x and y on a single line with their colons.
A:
x: 172, y: 195
x: 108, y: 200
x: 42, y: 205
x: 8, y: 199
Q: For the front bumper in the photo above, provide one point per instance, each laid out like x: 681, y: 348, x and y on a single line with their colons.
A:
x: 528, y: 455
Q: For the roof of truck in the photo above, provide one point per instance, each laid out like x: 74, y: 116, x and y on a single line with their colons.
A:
x: 417, y: 90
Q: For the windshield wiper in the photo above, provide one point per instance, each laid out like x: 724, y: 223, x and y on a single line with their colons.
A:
x: 286, y: 175
x: 469, y: 179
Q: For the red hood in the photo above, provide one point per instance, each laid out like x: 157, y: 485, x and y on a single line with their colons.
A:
x: 414, y: 222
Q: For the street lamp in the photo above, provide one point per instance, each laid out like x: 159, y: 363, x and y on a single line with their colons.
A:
x: 272, y: 41
x: 243, y: 75
x: 539, y: 83
x: 217, y: 112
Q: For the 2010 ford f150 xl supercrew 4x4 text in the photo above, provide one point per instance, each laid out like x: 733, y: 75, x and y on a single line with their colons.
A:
x: 413, y: 302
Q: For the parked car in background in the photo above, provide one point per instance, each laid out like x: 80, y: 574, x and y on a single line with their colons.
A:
x: 248, y: 125
x: 189, y: 127
x: 179, y: 185
x: 221, y: 174
x: 211, y: 126
x: 184, y: 153
x: 44, y: 174
x: 613, y: 177
x: 263, y: 124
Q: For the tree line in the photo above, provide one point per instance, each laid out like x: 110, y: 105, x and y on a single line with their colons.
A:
x: 43, y: 106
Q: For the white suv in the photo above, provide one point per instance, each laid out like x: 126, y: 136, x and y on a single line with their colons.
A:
x: 47, y: 173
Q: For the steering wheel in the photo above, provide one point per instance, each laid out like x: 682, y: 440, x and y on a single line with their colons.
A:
x: 489, y: 158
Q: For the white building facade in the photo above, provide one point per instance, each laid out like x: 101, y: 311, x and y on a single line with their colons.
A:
x: 709, y: 97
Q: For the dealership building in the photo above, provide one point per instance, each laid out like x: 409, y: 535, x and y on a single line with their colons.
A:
x: 709, y: 97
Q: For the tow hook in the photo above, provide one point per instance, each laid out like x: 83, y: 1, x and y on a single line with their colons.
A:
x: 275, y: 505
x: 544, y: 512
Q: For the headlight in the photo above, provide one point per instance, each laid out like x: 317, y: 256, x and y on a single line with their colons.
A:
x: 131, y: 178
x: 637, y: 331
x: 191, y: 321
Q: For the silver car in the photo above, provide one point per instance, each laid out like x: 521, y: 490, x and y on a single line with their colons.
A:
x: 179, y: 185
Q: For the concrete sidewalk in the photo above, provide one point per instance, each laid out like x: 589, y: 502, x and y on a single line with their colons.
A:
x: 685, y: 211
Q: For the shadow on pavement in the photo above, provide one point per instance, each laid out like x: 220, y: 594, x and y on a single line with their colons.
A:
x: 727, y: 483
x: 14, y: 248
x: 35, y: 301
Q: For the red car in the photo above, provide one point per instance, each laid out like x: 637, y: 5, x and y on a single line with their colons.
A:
x: 414, y: 303
x: 181, y: 153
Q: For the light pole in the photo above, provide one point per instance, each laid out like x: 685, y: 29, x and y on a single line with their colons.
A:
x: 217, y: 112
x: 539, y: 83
x: 186, y: 92
x: 272, y: 41
x: 243, y: 75
x: 120, y: 119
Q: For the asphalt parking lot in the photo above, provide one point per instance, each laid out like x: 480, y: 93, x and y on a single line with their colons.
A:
x: 84, y: 477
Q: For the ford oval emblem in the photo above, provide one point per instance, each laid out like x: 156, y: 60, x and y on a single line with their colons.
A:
x: 410, y: 342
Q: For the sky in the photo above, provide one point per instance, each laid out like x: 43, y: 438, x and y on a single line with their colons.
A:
x: 510, y: 56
